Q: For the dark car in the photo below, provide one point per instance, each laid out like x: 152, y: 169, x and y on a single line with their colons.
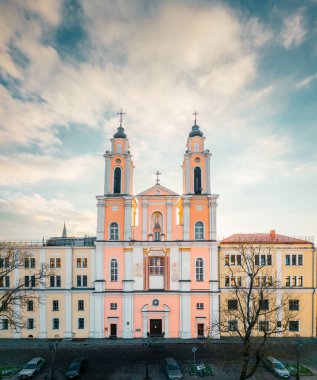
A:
x: 76, y: 368
x: 172, y: 370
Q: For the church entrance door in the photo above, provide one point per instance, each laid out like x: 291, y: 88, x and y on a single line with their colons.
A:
x: 155, y: 327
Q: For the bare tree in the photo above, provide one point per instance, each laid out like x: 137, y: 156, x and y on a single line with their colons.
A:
x: 16, y: 290
x: 255, y: 307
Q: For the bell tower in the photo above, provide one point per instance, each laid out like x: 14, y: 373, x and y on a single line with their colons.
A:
x: 196, y: 164
x: 118, y: 164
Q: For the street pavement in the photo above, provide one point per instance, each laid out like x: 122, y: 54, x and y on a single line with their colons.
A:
x: 122, y: 360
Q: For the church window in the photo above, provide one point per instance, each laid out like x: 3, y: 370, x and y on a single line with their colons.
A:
x: 119, y: 148
x: 117, y: 181
x: 113, y: 270
x: 199, y: 269
x: 197, y: 180
x: 199, y: 231
x: 196, y: 147
x: 114, y: 231
x: 157, y: 219
x: 156, y: 266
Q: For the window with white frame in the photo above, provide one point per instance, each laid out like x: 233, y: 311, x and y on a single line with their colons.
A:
x: 113, y: 270
x: 81, y: 323
x: 264, y: 325
x: 29, y: 262
x: 199, y: 269
x: 5, y: 282
x: 81, y: 262
x: 233, y: 304
x: 233, y: 325
x: 156, y: 266
x: 292, y: 260
x: 30, y: 323
x: 232, y: 260
x: 293, y: 304
x: 81, y: 305
x: 55, y: 262
x: 55, y: 305
x: 294, y: 281
x: 113, y: 306
x: 199, y: 231
x: 29, y: 281
x: 4, y: 262
x: 233, y: 281
x: 29, y: 305
x: 263, y: 260
x: 55, y: 323
x: 55, y: 281
x: 199, y: 306
x: 82, y: 280
x: 260, y: 281
x: 114, y: 231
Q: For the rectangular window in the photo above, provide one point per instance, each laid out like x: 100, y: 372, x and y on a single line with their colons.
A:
x: 113, y: 306
x: 288, y: 281
x: 293, y: 259
x: 78, y: 262
x: 300, y: 259
x: 269, y: 260
x: 264, y: 326
x: 30, y: 323
x: 29, y: 306
x: 157, y: 236
x: 55, y: 323
x: 300, y: 280
x: 293, y: 304
x: 55, y: 305
x: 270, y: 281
x: 227, y: 281
x: 55, y: 262
x: 287, y: 260
x: 294, y: 281
x: 264, y: 304
x: 4, y: 324
x: 199, y: 306
x: 81, y: 305
x: 232, y: 304
x: 233, y: 325
x: 3, y: 307
x: 81, y: 323
x: 5, y: 282
x: 293, y: 326
x: 81, y: 280
x: 156, y: 267
x: 232, y: 260
x: 58, y: 281
x: 85, y: 262
x: 55, y: 281
x: 262, y: 260
x: 238, y: 259
x: 84, y: 280
x: 239, y: 281
x: 29, y: 262
x: 257, y: 281
x: 78, y: 280
x: 29, y: 281
x: 256, y: 259
x: 227, y: 260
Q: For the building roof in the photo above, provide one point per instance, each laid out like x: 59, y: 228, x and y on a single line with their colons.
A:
x: 265, y: 238
x: 157, y: 190
x: 195, y: 131
x: 120, y: 134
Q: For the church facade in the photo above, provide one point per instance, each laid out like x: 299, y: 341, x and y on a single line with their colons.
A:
x: 155, y: 267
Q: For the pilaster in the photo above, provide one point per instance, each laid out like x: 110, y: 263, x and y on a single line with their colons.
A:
x: 186, y: 218
x: 169, y: 220
x: 100, y: 218
x: 127, y: 218
x: 42, y: 305
x: 68, y: 268
x: 68, y: 315
x: 144, y: 220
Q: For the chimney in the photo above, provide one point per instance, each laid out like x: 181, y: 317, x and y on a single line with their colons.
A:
x: 272, y: 234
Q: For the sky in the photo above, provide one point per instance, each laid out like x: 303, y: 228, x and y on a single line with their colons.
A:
x: 248, y: 68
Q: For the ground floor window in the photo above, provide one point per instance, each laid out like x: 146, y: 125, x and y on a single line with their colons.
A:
x: 232, y: 325
x: 81, y: 323
x: 4, y: 324
x: 293, y: 325
x: 30, y: 324
x: 55, y: 323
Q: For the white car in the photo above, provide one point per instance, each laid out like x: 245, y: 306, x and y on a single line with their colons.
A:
x: 31, y: 368
x: 276, y: 367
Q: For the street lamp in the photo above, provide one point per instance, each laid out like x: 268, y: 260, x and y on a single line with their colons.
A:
x: 52, y: 347
x: 194, y: 349
x: 299, y: 348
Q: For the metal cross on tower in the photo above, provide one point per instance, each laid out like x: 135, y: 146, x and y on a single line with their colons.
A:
x: 157, y: 173
x: 121, y: 113
x: 195, y: 113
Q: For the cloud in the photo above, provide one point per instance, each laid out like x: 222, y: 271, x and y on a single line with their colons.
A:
x: 29, y: 169
x: 294, y: 31
x: 306, y: 81
x: 44, y: 217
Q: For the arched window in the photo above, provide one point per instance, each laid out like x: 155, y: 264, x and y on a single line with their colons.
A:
x: 196, y: 147
x: 117, y: 181
x: 114, y: 270
x: 197, y: 180
x: 119, y: 148
x: 157, y: 220
x: 114, y: 231
x: 199, y: 231
x: 199, y: 270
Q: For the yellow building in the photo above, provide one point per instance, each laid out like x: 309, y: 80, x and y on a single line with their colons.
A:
x: 286, y: 269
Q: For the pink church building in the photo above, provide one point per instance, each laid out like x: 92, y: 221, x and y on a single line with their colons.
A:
x: 156, y: 252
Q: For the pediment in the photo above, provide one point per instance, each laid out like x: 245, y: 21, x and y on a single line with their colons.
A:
x: 157, y: 190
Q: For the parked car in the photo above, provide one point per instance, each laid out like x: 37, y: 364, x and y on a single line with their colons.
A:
x: 276, y: 367
x: 172, y: 370
x: 31, y: 368
x: 76, y: 368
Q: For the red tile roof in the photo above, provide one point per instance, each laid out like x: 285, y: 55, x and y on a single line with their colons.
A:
x: 264, y: 238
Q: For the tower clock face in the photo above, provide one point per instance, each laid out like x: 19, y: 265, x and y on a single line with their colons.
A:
x: 118, y: 161
x: 197, y: 159
x: 155, y: 302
